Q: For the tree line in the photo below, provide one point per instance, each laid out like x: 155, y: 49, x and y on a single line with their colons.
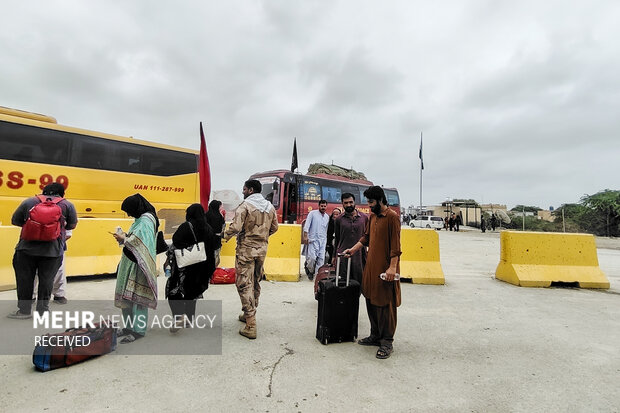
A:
x: 597, y: 214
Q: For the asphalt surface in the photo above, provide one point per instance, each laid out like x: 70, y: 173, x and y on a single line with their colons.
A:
x: 475, y: 344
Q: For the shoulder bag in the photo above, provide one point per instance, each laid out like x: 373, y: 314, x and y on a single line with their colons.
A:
x: 191, y: 255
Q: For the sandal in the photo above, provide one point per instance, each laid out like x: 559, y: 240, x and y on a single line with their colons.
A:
x: 131, y: 338
x: 384, y: 352
x: 122, y: 332
x: 368, y: 341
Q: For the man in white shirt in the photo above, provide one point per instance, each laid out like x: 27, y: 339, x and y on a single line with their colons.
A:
x: 315, y: 231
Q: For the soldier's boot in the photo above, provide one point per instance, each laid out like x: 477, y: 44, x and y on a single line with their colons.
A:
x: 242, y: 317
x: 249, y: 330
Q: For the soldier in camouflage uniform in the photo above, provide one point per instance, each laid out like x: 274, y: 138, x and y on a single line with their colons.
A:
x: 255, y: 220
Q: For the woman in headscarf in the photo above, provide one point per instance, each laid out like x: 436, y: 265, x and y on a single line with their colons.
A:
x: 136, y: 282
x: 216, y: 221
x: 329, y: 247
x: 187, y: 284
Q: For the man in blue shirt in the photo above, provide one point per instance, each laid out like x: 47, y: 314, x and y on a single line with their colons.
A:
x: 315, y: 231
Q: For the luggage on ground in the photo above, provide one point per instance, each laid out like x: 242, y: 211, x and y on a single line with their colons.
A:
x: 338, y: 307
x: 224, y: 276
x: 324, y: 272
x: 73, y: 346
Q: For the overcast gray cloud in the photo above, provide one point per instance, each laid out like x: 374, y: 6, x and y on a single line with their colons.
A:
x: 518, y: 101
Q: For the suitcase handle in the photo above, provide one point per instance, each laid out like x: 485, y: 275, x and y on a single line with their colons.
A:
x: 338, y: 270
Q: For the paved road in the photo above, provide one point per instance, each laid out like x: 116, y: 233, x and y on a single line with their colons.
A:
x: 475, y: 344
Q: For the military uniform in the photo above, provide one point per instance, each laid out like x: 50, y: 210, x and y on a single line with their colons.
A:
x: 253, y: 223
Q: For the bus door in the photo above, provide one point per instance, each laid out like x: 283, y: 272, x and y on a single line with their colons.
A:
x: 289, y: 199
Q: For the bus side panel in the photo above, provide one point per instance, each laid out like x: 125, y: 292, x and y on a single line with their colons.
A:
x: 95, y: 193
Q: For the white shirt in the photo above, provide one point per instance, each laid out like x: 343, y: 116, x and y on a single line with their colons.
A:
x: 316, y: 225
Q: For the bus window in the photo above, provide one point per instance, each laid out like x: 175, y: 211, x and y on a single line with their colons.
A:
x: 129, y: 157
x: 392, y: 197
x: 91, y: 154
x: 30, y: 144
x: 331, y: 194
x: 352, y: 190
x: 363, y: 200
x: 311, y: 191
x: 161, y: 162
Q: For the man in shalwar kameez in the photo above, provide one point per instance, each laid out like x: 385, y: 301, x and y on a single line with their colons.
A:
x: 382, y: 237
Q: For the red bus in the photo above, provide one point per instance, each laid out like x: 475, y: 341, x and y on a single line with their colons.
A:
x: 294, y: 195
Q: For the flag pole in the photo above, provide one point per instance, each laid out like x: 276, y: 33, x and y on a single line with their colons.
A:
x: 421, y: 169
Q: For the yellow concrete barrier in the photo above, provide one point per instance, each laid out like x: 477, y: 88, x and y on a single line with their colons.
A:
x: 282, y: 262
x: 90, y: 251
x: 420, y: 256
x: 536, y: 259
x: 8, y: 239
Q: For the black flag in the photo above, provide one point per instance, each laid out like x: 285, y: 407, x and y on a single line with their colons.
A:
x: 421, y: 160
x: 294, y: 161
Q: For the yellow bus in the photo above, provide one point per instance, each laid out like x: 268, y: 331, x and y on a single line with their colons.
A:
x: 98, y: 170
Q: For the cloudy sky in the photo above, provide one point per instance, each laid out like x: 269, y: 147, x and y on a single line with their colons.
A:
x: 519, y: 102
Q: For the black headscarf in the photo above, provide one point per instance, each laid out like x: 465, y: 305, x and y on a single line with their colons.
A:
x: 136, y: 205
x: 215, y: 206
x: 214, y: 217
x: 182, y: 238
x: 195, y: 214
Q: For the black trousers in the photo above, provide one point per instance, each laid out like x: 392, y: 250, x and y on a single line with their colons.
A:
x: 26, y: 267
x: 180, y: 307
x: 382, y: 322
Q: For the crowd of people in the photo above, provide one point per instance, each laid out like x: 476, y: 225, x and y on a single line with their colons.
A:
x: 371, y: 241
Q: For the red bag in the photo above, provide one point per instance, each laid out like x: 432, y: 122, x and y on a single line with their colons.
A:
x: 43, y: 223
x: 87, y: 343
x: 224, y: 276
x: 324, y: 272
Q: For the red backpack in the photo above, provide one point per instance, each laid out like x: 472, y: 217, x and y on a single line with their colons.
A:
x: 44, y: 220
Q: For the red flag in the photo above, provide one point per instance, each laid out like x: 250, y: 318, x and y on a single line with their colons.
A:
x: 204, y: 172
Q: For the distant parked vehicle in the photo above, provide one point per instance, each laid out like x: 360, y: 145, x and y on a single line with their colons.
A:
x: 427, y: 222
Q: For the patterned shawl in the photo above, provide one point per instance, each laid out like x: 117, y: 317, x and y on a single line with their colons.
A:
x: 136, y: 282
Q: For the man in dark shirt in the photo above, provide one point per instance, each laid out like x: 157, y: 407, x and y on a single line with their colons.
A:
x: 348, y: 229
x: 44, y: 257
x: 382, y: 237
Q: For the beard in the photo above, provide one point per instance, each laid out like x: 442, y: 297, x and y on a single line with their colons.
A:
x: 376, y: 209
x: 349, y: 209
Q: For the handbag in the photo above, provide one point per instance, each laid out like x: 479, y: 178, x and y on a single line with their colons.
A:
x: 160, y: 243
x: 191, y: 255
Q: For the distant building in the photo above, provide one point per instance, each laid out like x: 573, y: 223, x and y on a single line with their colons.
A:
x: 546, y: 215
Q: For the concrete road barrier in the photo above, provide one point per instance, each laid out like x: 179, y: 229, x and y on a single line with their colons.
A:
x: 536, y: 259
x: 420, y: 256
x: 91, y: 250
x: 282, y: 262
x: 9, y: 236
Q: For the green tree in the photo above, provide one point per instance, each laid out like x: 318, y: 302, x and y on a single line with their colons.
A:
x: 520, y: 208
x: 603, y: 217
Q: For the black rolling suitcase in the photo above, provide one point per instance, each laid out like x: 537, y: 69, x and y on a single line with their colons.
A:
x: 338, y: 308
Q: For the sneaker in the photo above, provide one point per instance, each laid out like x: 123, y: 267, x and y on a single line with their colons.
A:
x: 19, y: 315
x: 60, y: 300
